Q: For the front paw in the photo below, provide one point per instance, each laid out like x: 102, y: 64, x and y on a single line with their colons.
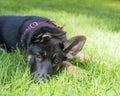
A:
x: 82, y: 56
x: 72, y: 70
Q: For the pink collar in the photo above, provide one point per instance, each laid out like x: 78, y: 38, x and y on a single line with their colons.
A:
x: 35, y: 24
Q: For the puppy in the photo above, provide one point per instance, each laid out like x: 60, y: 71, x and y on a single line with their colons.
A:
x: 44, y: 42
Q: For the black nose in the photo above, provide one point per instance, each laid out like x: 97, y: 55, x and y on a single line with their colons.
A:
x: 64, y: 58
x: 41, y: 77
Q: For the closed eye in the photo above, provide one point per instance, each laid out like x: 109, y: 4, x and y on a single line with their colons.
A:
x: 39, y: 53
x: 39, y: 57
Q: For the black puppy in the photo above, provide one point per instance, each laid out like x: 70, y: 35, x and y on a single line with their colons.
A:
x: 45, y: 43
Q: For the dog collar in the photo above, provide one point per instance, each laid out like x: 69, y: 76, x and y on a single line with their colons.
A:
x: 35, y: 24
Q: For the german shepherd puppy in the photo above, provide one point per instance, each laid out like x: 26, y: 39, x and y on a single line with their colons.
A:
x: 45, y: 43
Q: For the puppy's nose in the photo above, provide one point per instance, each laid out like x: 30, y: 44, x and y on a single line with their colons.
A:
x: 64, y: 58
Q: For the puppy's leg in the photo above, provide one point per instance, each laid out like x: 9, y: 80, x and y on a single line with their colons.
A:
x: 82, y: 56
x: 71, y: 69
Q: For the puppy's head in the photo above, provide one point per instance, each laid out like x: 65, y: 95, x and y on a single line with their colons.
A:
x: 47, y: 49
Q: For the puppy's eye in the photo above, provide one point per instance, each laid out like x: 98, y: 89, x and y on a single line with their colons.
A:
x: 39, y: 58
x: 39, y: 54
x: 56, y: 61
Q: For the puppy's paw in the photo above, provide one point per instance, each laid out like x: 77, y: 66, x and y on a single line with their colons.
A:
x: 82, y: 56
x: 72, y: 70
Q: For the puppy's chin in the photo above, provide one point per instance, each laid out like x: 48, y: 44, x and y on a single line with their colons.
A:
x: 41, y: 79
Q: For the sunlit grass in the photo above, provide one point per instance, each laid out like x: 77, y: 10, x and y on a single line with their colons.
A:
x: 98, y: 20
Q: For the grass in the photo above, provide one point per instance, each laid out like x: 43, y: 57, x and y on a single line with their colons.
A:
x: 98, y: 20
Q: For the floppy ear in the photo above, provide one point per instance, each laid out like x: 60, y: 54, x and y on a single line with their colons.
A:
x: 74, y: 45
x: 41, y: 38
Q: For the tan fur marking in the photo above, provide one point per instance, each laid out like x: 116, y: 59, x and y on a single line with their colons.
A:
x: 29, y: 57
x: 39, y: 35
x: 37, y: 40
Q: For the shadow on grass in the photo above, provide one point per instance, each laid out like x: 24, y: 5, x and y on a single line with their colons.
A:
x: 109, y: 16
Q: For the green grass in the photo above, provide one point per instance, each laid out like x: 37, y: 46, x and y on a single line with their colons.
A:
x: 98, y: 20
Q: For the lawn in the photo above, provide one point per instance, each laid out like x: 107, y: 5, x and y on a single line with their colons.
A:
x: 98, y: 20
